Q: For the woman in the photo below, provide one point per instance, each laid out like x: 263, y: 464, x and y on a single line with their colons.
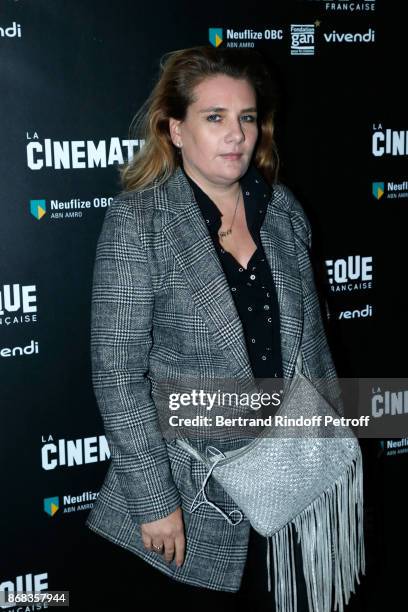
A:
x: 196, y: 272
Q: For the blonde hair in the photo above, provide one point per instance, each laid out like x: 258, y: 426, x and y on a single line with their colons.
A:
x: 180, y: 72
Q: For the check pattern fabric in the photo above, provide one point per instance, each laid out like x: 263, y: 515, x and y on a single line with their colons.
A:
x: 252, y: 288
x: 162, y: 308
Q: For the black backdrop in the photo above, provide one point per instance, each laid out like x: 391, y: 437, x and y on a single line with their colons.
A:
x: 72, y: 76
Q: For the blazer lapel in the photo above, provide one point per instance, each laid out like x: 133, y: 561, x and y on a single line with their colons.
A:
x: 197, y: 258
x: 278, y: 240
x: 193, y: 249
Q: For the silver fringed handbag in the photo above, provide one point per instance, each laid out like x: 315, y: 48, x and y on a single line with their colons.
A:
x: 314, y: 483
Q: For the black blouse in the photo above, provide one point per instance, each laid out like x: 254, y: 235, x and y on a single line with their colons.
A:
x: 252, y: 288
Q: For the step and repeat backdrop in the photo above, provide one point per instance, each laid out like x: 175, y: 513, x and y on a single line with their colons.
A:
x: 73, y: 73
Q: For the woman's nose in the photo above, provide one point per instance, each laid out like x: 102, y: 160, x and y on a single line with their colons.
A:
x: 235, y: 131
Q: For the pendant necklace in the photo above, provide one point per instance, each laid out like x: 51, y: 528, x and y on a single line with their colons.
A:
x: 229, y: 231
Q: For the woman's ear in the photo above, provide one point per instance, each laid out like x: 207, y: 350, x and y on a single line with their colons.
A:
x: 174, y: 129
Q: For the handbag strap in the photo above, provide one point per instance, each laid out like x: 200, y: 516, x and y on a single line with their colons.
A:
x: 214, y: 455
x: 299, y: 362
x: 196, y: 503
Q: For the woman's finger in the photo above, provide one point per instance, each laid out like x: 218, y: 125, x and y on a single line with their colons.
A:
x: 180, y: 545
x: 157, y: 547
x: 169, y: 548
x: 147, y: 541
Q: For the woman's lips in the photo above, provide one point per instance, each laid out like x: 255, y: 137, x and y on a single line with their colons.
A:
x: 232, y: 156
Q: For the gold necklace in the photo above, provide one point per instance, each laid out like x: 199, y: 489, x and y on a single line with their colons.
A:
x: 229, y: 231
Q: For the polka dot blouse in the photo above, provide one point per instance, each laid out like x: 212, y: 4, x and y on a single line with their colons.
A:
x: 252, y: 288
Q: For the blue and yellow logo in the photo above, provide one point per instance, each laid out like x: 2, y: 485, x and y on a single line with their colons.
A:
x: 215, y: 36
x: 38, y: 208
x: 378, y: 190
x: 51, y: 505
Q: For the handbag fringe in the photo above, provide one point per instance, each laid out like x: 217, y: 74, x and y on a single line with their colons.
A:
x: 331, y: 535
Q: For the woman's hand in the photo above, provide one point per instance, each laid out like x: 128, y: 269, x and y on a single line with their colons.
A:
x: 168, y: 533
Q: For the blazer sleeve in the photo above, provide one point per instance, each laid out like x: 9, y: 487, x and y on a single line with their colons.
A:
x: 329, y: 386
x: 121, y: 321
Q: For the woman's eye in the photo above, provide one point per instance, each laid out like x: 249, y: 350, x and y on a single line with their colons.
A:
x: 247, y: 118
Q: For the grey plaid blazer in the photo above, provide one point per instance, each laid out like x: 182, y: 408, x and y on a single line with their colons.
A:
x: 161, y: 306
